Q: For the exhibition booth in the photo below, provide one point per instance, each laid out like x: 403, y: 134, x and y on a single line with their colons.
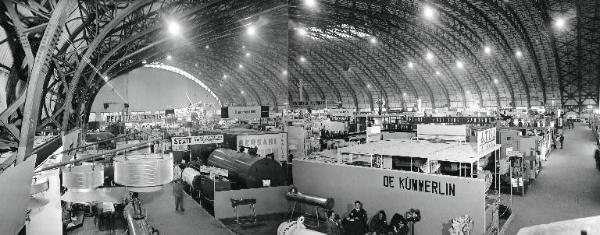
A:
x: 425, y: 174
x: 439, y: 198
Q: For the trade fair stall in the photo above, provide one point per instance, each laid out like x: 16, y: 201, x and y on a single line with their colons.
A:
x: 439, y: 198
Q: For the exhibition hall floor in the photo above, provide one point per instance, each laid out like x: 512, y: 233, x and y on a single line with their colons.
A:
x: 568, y: 186
x: 195, y: 220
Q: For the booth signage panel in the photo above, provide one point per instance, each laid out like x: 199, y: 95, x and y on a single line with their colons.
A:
x: 440, y: 198
x: 244, y: 112
x: 202, y: 139
x: 373, y: 133
x: 267, y: 144
x: 214, y: 171
x: 486, y: 139
x: 340, y: 112
x: 445, y: 132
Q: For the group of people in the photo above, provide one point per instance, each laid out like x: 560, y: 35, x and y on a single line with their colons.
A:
x: 560, y: 138
x: 356, y: 223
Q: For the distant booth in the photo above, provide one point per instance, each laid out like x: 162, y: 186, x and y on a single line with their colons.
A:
x: 442, y: 175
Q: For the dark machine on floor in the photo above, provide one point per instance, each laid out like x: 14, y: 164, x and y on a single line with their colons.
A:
x: 248, y: 171
x: 244, y: 171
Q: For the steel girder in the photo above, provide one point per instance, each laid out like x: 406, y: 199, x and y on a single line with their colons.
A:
x: 577, y: 53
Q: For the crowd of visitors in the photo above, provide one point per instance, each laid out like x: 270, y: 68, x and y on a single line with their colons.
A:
x: 356, y: 223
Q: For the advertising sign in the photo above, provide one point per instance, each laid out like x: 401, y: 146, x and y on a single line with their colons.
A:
x: 244, y: 112
x: 486, y: 139
x: 214, y: 170
x: 373, y: 133
x: 202, y: 139
x: 267, y: 144
x: 444, y: 132
x: 340, y: 112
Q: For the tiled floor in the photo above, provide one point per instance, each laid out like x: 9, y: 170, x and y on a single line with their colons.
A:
x: 567, y: 188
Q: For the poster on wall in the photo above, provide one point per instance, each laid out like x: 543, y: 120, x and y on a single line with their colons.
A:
x: 243, y: 112
x: 267, y: 144
x: 192, y: 140
x: 444, y: 132
x: 373, y: 133
x: 486, y: 139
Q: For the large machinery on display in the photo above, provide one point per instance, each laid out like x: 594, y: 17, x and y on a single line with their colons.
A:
x: 231, y: 170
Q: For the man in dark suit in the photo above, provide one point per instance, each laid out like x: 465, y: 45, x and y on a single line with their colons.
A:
x: 332, y: 226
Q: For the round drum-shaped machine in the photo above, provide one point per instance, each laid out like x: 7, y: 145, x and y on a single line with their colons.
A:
x: 83, y: 176
x: 143, y: 170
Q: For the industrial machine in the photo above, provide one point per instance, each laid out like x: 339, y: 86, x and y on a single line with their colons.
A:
x: 296, y: 227
x: 317, y: 202
x: 247, y: 171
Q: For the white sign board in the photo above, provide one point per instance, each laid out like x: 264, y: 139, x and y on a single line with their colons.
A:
x: 244, y: 112
x: 341, y: 112
x: 267, y: 144
x: 486, y: 139
x: 202, y: 139
x: 445, y: 132
x: 373, y: 133
x: 214, y: 170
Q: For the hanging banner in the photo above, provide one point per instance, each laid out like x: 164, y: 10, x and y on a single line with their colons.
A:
x: 267, y: 144
x: 340, y: 112
x: 486, y: 139
x: 373, y: 133
x: 244, y: 112
x: 214, y: 171
x: 202, y: 139
x: 444, y: 132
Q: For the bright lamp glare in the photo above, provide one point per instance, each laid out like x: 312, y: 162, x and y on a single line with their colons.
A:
x: 174, y: 28
x: 428, y: 12
x: 310, y: 3
x: 487, y: 50
x: 429, y: 56
x: 560, y: 23
x: 373, y: 40
x: 302, y: 31
x: 251, y: 30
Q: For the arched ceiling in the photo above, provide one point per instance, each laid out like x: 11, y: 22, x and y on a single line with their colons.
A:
x: 353, y: 52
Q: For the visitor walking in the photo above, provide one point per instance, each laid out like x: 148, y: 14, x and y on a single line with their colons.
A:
x: 178, y: 194
x: 561, y: 138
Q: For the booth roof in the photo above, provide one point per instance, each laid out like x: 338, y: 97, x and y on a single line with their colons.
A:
x: 453, y: 152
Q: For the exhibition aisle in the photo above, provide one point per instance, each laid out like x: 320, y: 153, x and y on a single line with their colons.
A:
x: 567, y: 188
x: 162, y: 215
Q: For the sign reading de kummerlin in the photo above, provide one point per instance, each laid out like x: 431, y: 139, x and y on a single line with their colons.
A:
x: 420, y: 185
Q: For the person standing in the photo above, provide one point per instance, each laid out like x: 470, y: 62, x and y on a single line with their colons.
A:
x: 178, y: 194
x: 561, y: 138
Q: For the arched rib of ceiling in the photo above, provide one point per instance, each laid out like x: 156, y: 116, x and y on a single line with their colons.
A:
x: 184, y: 74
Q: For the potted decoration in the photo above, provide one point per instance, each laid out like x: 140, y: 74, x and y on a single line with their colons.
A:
x: 462, y: 225
x: 412, y: 216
